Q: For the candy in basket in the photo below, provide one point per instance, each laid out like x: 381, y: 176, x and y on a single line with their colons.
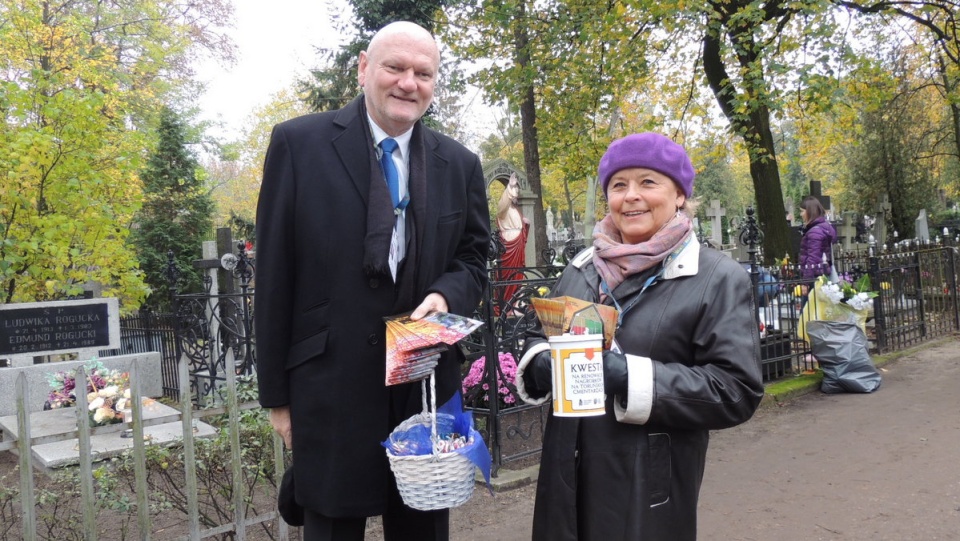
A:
x: 434, y: 454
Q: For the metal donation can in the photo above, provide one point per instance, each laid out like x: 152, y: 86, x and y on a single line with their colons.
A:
x: 577, y: 374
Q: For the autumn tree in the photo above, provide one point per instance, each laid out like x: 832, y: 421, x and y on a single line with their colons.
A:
x: 81, y: 83
x: 234, y: 175
x: 935, y: 24
x: 894, y: 151
x: 565, y: 68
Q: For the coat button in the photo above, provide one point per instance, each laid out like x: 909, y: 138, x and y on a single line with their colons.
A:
x: 374, y: 283
x: 373, y: 340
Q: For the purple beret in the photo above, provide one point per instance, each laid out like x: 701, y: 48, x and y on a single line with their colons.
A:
x: 650, y: 151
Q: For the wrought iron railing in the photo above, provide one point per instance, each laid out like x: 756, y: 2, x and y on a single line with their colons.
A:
x: 215, y: 331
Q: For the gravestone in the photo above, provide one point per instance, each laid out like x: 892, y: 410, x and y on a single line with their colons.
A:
x: 920, y: 227
x: 81, y: 326
x: 38, y: 378
x: 31, y: 329
x: 848, y: 230
x: 212, y: 262
x: 225, y: 245
x: 880, y: 225
x: 716, y: 213
x: 815, y: 190
x: 551, y: 229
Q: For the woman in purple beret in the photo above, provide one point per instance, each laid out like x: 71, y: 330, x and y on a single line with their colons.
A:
x: 685, y: 360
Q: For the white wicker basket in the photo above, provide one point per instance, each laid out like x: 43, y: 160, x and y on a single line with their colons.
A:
x: 434, y: 481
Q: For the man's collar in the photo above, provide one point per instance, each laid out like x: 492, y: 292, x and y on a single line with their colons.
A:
x: 403, y: 140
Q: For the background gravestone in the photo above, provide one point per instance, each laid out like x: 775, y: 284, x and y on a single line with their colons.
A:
x: 920, y: 227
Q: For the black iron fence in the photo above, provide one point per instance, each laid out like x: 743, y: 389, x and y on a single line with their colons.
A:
x: 212, y: 332
x: 145, y: 332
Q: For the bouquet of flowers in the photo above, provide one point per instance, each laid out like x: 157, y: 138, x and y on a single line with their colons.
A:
x: 475, y: 383
x: 108, y: 392
x: 849, y: 301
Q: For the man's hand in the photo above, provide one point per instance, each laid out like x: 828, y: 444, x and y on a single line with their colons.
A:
x: 280, y: 421
x: 434, y: 302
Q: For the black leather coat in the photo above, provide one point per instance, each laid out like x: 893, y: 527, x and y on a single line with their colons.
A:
x: 604, y: 479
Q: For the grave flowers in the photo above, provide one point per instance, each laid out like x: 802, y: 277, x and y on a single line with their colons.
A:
x: 847, y: 302
x: 108, y: 392
x: 476, y: 388
x: 841, y: 302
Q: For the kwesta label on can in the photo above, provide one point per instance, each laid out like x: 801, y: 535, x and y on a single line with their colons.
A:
x: 577, y: 375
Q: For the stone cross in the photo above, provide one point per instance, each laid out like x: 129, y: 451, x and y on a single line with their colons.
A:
x: 211, y: 265
x: 716, y: 213
x: 815, y: 191
x: 848, y: 229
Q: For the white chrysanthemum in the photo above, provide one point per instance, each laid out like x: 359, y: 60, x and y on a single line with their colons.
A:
x: 860, y: 301
x: 96, y: 403
x: 126, y: 393
x: 122, y: 404
x: 102, y: 414
x: 109, y: 391
x: 833, y: 292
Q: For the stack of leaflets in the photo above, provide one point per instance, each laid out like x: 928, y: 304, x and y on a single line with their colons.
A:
x: 569, y: 315
x: 412, y: 346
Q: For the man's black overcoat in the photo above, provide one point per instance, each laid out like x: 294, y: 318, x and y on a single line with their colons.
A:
x: 319, y: 318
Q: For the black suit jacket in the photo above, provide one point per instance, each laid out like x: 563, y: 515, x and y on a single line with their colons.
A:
x: 319, y: 319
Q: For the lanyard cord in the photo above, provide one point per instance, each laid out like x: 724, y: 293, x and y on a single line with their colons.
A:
x: 623, y: 310
x: 649, y: 282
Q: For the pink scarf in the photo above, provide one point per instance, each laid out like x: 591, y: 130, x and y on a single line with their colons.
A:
x: 616, y: 261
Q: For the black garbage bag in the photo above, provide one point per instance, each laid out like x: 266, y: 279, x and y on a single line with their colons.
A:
x: 841, y: 349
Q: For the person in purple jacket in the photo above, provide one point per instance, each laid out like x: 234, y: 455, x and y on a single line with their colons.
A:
x: 817, y: 238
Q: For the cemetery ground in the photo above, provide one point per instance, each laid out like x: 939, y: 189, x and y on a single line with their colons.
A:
x: 808, y: 466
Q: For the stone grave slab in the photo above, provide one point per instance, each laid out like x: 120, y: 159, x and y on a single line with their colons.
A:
x: 53, y: 448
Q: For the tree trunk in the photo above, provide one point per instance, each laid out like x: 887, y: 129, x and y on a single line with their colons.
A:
x: 949, y: 88
x: 531, y: 143
x: 755, y: 131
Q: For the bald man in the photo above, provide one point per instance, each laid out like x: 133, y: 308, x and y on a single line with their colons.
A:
x: 339, y: 246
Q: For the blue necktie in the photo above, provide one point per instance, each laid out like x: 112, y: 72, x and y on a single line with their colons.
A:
x: 390, y: 169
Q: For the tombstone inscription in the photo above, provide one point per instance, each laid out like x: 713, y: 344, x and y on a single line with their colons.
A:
x: 45, y: 328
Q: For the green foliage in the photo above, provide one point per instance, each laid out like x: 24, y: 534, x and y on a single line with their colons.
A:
x: 176, y: 215
x: 80, y: 80
x: 234, y: 177
x: 892, y: 152
x: 9, y: 505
